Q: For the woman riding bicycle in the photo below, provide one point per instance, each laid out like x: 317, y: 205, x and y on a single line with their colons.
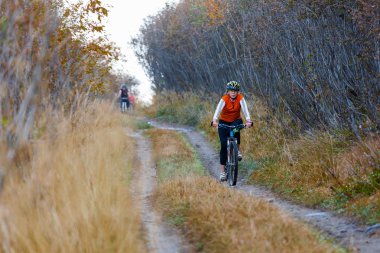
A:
x: 228, y: 113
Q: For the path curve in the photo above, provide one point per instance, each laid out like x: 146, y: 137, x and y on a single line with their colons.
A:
x: 345, y: 231
x: 160, y: 236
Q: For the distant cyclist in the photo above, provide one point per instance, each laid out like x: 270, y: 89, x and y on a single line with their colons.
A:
x: 228, y: 113
x: 123, y: 95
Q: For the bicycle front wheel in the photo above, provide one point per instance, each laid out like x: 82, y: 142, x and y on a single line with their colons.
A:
x: 233, y: 164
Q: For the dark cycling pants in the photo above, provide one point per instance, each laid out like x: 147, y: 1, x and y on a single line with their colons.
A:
x: 125, y: 100
x: 224, y: 133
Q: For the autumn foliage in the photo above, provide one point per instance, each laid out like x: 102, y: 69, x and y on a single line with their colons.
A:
x: 53, y: 57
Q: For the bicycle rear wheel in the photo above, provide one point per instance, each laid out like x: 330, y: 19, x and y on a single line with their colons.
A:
x: 232, y: 169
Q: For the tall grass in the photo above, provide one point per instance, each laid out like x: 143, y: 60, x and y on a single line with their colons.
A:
x: 51, y: 59
x: 72, y: 194
x: 63, y: 155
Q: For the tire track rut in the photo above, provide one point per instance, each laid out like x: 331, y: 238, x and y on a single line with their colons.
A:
x: 160, y: 236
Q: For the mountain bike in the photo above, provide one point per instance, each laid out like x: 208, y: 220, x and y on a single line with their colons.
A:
x: 232, y: 153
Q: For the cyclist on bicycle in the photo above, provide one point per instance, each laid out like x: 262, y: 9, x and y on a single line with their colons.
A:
x: 228, y: 113
x: 123, y: 95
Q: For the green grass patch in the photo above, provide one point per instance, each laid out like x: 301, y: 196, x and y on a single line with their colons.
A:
x: 133, y: 122
x: 178, y: 166
x: 174, y: 156
x: 142, y: 125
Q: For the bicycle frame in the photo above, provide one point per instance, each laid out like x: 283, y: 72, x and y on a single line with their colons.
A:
x: 232, y: 151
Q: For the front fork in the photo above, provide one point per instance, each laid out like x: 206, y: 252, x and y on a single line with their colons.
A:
x: 228, y: 154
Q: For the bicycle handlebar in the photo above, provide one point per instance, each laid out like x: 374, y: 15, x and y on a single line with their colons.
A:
x: 240, y: 126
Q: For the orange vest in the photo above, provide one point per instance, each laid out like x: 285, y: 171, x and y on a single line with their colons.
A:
x: 231, y: 110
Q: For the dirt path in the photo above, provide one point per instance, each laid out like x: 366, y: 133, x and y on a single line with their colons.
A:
x: 160, y: 236
x: 346, y: 232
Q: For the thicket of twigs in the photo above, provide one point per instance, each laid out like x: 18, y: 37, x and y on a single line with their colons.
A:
x: 315, y: 61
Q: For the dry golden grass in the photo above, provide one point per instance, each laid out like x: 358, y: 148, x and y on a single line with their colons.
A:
x: 73, y: 196
x: 366, y: 207
x: 266, y: 138
x: 219, y: 219
x: 303, y: 168
x: 359, y: 160
x: 320, y: 167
